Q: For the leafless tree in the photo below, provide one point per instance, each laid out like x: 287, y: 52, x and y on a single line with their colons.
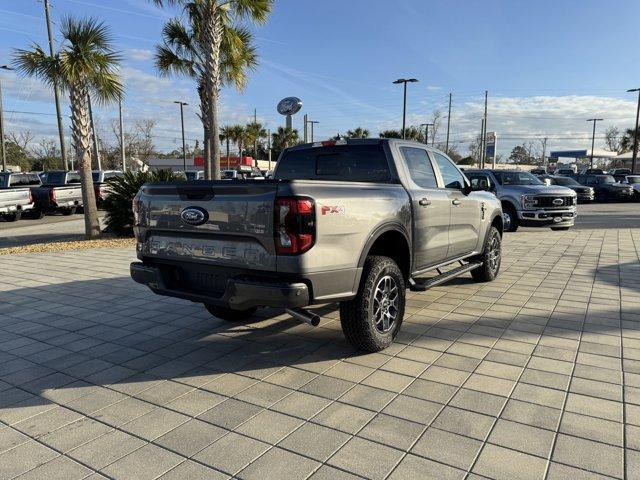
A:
x: 613, y: 139
x: 22, y: 139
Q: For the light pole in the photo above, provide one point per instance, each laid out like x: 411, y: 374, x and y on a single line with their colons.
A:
x: 593, y: 137
x: 404, y: 102
x: 4, y: 152
x: 312, y: 122
x: 635, y: 133
x: 184, y: 145
x: 122, y: 155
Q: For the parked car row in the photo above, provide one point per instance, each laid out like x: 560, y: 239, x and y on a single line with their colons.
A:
x: 35, y: 195
x: 605, y: 187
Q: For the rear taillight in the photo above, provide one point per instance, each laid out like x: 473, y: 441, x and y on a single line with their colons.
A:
x: 30, y: 196
x: 134, y: 208
x: 52, y: 195
x: 294, y: 225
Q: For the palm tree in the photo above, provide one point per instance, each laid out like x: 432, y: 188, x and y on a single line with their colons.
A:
x: 358, y: 132
x: 283, y: 138
x: 237, y: 136
x: 226, y: 135
x: 255, y: 132
x: 208, y: 19
x: 85, y: 65
x: 182, y: 53
x: 391, y: 134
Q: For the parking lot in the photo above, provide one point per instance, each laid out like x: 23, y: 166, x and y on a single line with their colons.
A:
x: 535, y: 375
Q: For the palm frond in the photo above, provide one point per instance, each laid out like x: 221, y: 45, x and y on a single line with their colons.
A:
x: 255, y: 11
x: 168, y: 62
x: 37, y: 63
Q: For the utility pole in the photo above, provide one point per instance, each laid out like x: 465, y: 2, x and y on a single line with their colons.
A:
x: 481, y: 159
x: 312, y: 122
x: 255, y: 140
x: 635, y: 133
x: 304, y: 130
x: 2, y: 142
x: 96, y: 151
x: 184, y: 145
x: 446, y: 148
x: 269, y: 147
x: 56, y: 92
x: 544, y: 151
x: 593, y: 138
x: 122, y: 155
x: 484, y: 129
x: 404, y: 102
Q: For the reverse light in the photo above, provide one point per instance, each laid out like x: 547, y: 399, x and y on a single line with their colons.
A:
x: 294, y: 225
x: 134, y: 208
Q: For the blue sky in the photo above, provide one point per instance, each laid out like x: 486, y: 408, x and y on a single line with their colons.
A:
x: 548, y: 66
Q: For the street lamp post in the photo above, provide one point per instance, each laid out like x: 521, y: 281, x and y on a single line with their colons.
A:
x: 635, y: 133
x: 312, y: 122
x: 2, y: 144
x: 593, y: 137
x: 404, y: 81
x: 184, y: 145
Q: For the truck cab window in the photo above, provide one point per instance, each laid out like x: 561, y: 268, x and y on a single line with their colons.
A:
x: 419, y: 166
x: 451, y: 176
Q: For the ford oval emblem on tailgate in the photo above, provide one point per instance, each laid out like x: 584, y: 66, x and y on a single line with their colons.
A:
x: 558, y: 201
x: 194, y: 216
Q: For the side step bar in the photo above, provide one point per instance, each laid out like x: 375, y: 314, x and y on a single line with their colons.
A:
x: 421, y: 286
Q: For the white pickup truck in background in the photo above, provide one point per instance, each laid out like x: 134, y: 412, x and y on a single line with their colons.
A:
x: 15, y: 194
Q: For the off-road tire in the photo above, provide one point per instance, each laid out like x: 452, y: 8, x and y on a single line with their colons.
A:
x: 36, y: 214
x: 228, y: 313
x: 512, y: 226
x: 488, y: 272
x: 356, y: 316
x: 68, y: 211
x: 560, y: 228
x: 13, y: 217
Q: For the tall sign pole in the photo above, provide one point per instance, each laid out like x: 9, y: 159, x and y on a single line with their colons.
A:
x: 635, y: 135
x: 56, y: 92
x: 446, y: 148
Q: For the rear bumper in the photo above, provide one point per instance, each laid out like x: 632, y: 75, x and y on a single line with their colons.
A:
x: 16, y: 208
x: 543, y: 218
x: 239, y: 293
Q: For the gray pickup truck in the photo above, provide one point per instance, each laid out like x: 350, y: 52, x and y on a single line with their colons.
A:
x: 527, y: 200
x: 15, y: 194
x: 349, y: 221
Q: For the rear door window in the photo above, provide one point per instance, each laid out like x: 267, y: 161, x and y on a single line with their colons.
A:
x: 354, y: 163
x: 73, y: 178
x: 451, y: 176
x: 419, y: 165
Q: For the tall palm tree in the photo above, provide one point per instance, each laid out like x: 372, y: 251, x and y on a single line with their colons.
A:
x: 283, y: 138
x: 208, y: 19
x: 85, y: 65
x: 255, y: 132
x: 237, y: 135
x: 357, y: 132
x: 182, y: 53
x: 226, y: 135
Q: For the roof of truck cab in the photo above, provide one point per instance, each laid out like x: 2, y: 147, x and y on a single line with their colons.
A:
x: 359, y: 141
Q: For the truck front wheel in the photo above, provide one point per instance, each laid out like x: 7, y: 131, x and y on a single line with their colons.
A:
x: 373, y: 318
x: 509, y: 219
x: 228, y: 313
x: 491, y: 257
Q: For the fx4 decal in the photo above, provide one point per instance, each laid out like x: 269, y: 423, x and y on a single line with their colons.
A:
x: 332, y: 210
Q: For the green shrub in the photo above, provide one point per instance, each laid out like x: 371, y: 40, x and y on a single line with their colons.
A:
x: 119, y: 217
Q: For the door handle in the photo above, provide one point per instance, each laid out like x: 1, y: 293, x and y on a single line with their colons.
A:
x: 424, y: 202
x: 456, y: 201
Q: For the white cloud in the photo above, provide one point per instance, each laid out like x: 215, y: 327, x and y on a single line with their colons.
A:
x: 138, y: 54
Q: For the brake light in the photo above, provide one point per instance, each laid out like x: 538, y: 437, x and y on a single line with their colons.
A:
x: 294, y: 225
x: 30, y: 196
x: 134, y: 208
x: 329, y: 143
x: 52, y: 195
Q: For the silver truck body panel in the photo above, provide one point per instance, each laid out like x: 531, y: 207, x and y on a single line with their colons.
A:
x: 238, y: 234
x: 15, y: 199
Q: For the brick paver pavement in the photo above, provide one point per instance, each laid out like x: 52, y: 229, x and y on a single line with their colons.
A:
x: 536, y: 375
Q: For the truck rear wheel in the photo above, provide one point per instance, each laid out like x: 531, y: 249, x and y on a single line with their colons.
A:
x: 373, y: 318
x: 491, y: 257
x: 228, y: 313
x: 69, y: 211
x: 13, y: 217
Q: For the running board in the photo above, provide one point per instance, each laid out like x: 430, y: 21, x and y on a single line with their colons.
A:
x: 421, y: 286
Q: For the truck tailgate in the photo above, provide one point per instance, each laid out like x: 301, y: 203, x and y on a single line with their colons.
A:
x: 213, y: 223
x: 68, y: 195
x: 14, y: 197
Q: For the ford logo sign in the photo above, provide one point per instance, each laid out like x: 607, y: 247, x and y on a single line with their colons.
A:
x: 558, y: 201
x: 194, y: 216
